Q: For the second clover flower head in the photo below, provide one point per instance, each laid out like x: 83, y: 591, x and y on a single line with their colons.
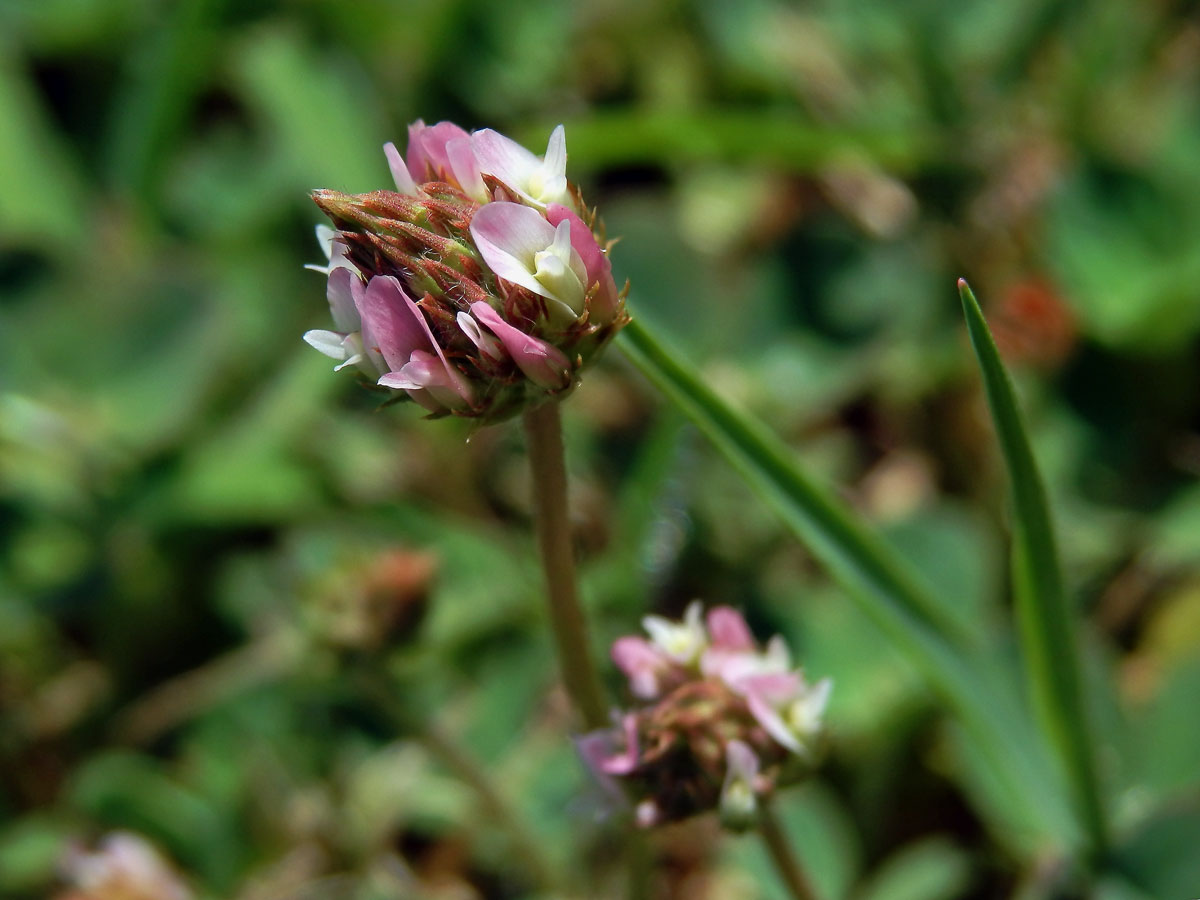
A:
x: 479, y: 286
x: 721, y: 721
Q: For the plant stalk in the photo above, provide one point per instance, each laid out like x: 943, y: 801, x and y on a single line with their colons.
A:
x: 780, y: 850
x: 543, y: 430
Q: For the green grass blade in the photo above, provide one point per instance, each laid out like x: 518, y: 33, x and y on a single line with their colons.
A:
x: 873, y: 575
x: 1044, y: 617
x: 826, y: 526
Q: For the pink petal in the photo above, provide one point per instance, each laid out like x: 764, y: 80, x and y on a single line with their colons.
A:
x: 487, y: 344
x: 727, y: 665
x: 342, y: 290
x: 625, y: 761
x: 727, y: 629
x: 544, y: 365
x: 775, y: 688
x: 595, y: 263
x: 595, y: 747
x: 465, y: 169
x: 388, y: 322
x: 741, y: 762
x: 768, y: 717
x: 400, y: 174
x: 394, y: 323
x: 642, y: 663
x: 427, y: 159
x: 503, y: 158
x: 422, y: 370
x: 426, y: 372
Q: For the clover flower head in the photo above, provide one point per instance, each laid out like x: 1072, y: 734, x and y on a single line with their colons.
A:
x: 720, y: 721
x: 478, y: 287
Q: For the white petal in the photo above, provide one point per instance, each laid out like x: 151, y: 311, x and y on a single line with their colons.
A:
x: 508, y: 236
x: 350, y: 361
x: 773, y: 723
x: 818, y: 698
x: 325, y: 236
x: 555, y: 162
x: 503, y: 157
x: 777, y: 658
x: 327, y: 342
x: 485, y: 342
x: 342, y: 290
x: 561, y: 246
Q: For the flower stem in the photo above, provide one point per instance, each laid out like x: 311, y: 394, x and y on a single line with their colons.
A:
x: 781, y: 853
x: 543, y: 430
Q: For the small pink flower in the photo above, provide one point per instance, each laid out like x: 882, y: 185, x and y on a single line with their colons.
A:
x: 610, y: 752
x: 605, y: 303
x: 430, y: 157
x: 522, y: 247
x: 539, y: 181
x: 732, y: 652
x: 626, y: 761
x: 486, y: 343
x: 682, y: 642
x: 346, y: 345
x: 440, y: 152
x: 727, y: 630
x: 394, y: 325
x: 344, y: 290
x: 787, y: 707
x: 734, y: 666
x: 644, y: 665
x: 544, y: 365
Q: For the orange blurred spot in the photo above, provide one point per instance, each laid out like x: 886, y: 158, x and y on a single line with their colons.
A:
x: 1033, y: 325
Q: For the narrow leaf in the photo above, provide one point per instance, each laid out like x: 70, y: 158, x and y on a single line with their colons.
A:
x: 1044, y: 618
x: 950, y: 661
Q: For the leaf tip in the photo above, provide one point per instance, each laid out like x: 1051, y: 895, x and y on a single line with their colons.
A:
x: 967, y: 296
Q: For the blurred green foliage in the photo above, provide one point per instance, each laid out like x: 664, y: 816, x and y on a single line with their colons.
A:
x: 218, y: 622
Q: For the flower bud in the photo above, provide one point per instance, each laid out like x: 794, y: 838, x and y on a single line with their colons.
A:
x: 369, y: 599
x: 478, y: 287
